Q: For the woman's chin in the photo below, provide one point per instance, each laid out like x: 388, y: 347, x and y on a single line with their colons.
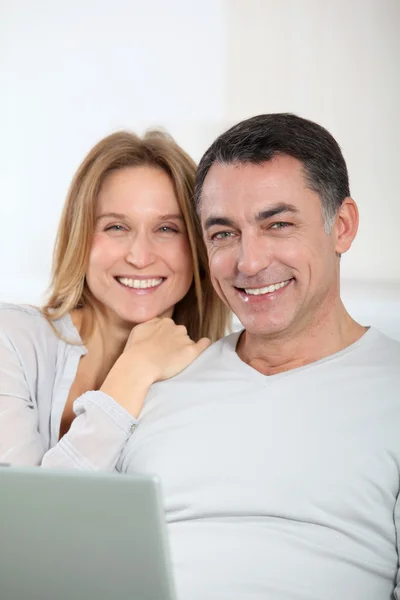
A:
x: 138, y: 317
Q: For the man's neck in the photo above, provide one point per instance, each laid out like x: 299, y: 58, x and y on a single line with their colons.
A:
x: 272, y: 354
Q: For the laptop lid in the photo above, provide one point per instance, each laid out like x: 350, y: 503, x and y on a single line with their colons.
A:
x: 82, y: 536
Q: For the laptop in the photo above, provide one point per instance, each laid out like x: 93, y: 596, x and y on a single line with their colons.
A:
x: 82, y: 536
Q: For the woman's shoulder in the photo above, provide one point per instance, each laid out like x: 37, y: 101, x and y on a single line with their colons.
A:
x: 9, y: 309
x: 20, y: 316
x: 25, y: 321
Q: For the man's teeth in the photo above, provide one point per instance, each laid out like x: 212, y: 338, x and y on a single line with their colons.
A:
x: 140, y: 284
x: 266, y: 290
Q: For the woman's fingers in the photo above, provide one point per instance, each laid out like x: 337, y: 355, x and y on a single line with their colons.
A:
x: 163, y: 347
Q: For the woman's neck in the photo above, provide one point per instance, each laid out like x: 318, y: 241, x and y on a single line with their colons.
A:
x: 105, y: 344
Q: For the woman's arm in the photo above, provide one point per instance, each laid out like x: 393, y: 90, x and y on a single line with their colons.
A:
x: 20, y: 441
x: 105, y: 419
x: 93, y: 442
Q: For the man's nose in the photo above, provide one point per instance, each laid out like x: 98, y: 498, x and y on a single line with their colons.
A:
x: 141, y: 251
x: 254, y: 255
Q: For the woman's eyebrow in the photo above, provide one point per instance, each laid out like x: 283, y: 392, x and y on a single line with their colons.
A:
x: 111, y: 215
x: 114, y: 215
x: 171, y: 216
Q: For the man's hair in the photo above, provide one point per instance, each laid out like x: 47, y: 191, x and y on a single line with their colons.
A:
x: 259, y: 139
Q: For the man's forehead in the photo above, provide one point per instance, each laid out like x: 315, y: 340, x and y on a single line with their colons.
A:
x: 279, y: 170
x: 252, y: 185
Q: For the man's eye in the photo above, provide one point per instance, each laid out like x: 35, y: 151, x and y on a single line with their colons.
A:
x: 280, y: 225
x: 222, y: 235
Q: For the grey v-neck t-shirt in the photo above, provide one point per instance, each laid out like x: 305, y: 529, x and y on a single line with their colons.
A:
x: 282, y: 487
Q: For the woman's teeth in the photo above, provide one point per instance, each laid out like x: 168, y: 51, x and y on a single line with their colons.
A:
x: 140, y: 284
x: 266, y: 290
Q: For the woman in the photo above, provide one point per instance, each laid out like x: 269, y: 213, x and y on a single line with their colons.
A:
x: 74, y: 375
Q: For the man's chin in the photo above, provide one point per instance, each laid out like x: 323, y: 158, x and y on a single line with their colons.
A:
x: 264, y: 328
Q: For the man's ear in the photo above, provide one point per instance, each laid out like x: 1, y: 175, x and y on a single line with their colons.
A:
x: 345, y: 225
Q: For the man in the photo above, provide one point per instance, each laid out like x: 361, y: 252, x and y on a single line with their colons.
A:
x: 279, y: 448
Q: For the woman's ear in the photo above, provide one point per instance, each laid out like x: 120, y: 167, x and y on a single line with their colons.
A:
x: 346, y: 225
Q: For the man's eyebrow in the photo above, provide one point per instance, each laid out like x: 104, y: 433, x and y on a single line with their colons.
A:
x: 276, y: 210
x: 224, y: 221
x: 261, y: 216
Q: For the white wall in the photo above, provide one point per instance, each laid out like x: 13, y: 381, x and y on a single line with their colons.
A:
x: 75, y: 71
x: 337, y: 63
x: 71, y: 72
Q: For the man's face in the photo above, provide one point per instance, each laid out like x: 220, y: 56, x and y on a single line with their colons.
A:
x: 271, y: 260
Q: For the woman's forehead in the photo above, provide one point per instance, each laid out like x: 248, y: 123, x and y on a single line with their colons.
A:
x: 137, y: 189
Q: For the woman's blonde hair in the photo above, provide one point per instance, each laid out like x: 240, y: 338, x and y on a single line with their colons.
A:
x: 201, y: 311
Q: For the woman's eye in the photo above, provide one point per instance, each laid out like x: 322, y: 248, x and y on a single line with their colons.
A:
x: 166, y: 229
x: 114, y: 228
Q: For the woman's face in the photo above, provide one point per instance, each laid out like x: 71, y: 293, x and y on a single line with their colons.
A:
x: 140, y: 261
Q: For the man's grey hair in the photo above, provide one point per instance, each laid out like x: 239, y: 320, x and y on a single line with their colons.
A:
x: 259, y: 139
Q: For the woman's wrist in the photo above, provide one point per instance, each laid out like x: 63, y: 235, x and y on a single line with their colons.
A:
x: 128, y: 384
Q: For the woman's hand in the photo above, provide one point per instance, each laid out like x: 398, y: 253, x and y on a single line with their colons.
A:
x: 162, y: 348
x: 155, y: 350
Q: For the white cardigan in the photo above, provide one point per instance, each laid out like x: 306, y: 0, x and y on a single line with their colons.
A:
x: 37, y: 369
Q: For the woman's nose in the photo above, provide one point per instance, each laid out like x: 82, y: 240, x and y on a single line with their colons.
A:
x: 140, y: 252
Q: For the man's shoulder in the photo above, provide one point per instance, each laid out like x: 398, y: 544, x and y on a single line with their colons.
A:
x: 374, y: 361
x: 218, y: 354
x: 214, y: 364
x: 388, y: 347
